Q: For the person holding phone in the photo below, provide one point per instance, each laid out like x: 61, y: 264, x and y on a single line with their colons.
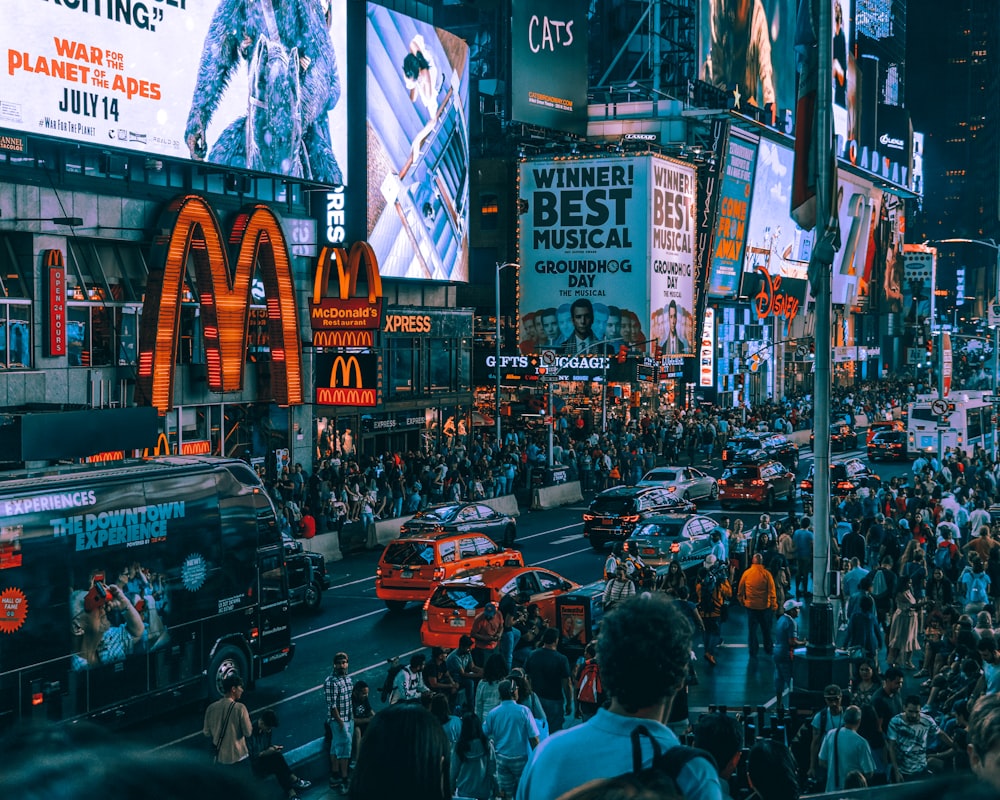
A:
x: 267, y: 759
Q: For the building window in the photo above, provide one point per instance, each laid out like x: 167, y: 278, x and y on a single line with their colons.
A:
x: 401, y: 370
x: 443, y: 372
x: 102, y: 334
x: 15, y: 335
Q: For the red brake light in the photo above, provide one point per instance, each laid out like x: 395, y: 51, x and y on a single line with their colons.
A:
x: 630, y: 518
x: 378, y: 572
x: 756, y: 482
x: 439, y: 573
x: 587, y: 517
x: 722, y: 481
x: 675, y: 547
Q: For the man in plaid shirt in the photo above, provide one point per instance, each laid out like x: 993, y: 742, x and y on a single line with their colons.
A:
x: 907, y: 741
x: 338, y: 689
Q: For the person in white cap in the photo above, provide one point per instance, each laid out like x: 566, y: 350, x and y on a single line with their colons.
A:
x: 786, y: 639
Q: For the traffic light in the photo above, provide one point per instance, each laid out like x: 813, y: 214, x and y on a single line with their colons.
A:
x: 739, y: 380
x: 622, y: 354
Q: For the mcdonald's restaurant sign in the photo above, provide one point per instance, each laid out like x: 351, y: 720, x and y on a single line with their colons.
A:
x: 55, y: 292
x: 349, y: 379
x: 346, y: 320
x: 194, y: 235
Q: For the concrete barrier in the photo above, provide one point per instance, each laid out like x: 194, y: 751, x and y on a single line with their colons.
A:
x: 561, y: 494
x: 504, y: 504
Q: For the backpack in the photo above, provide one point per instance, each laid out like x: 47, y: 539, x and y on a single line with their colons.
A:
x: 661, y: 775
x: 590, y: 689
x: 880, y: 584
x: 390, y: 677
x: 942, y: 556
x: 709, y: 588
x: 977, y: 589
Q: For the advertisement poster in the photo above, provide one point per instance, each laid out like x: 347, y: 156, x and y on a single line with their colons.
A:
x: 854, y: 202
x: 418, y: 148
x: 671, y: 256
x: 584, y: 245
x: 729, y: 241
x: 774, y: 241
x: 747, y: 48
x: 549, y: 64
x: 253, y: 90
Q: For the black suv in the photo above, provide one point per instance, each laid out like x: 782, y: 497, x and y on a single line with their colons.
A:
x: 613, y: 513
x: 775, y: 446
x: 307, y: 575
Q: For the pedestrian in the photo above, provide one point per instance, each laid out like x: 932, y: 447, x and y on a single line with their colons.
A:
x: 984, y: 740
x: 464, y: 671
x: 473, y: 762
x: 825, y: 720
x: 786, y: 640
x: 643, y: 648
x: 488, y: 690
x: 512, y: 729
x: 227, y: 724
x: 907, y: 738
x: 772, y: 772
x: 338, y: 690
x: 405, y: 754
x: 487, y: 628
x: 803, y: 539
x: 408, y: 686
x: 844, y: 751
x: 903, y: 640
x: 549, y: 673
x: 757, y: 594
x: 618, y: 589
x: 713, y: 592
x: 266, y: 758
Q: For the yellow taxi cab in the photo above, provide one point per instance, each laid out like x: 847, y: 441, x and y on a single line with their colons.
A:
x: 411, y: 566
x: 453, y: 606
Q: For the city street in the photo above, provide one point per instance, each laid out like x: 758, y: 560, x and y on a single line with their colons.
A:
x: 354, y: 620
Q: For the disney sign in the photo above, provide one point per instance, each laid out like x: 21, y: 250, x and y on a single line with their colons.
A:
x: 771, y: 300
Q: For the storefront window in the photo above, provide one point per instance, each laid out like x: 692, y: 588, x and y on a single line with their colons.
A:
x: 442, y: 361
x: 78, y: 336
x: 402, y: 363
x: 15, y: 335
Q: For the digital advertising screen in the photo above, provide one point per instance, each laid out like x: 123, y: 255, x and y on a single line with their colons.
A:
x: 747, y: 48
x: 607, y: 255
x: 418, y: 148
x: 549, y: 64
x: 733, y: 213
x: 256, y: 86
x: 855, y: 207
x: 774, y: 241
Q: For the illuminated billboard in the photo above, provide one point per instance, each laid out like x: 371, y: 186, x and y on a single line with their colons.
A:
x: 747, y: 49
x: 418, y: 148
x: 222, y: 81
x: 607, y: 254
x: 855, y: 208
x: 730, y: 235
x: 773, y: 239
x: 549, y: 64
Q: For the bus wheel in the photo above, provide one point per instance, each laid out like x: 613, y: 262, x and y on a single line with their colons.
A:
x: 313, y: 596
x: 229, y: 660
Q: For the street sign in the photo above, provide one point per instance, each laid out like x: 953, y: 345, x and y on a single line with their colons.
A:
x: 991, y: 398
x: 939, y: 407
x: 550, y: 378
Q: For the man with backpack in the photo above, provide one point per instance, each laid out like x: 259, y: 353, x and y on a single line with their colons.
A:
x: 713, y: 591
x: 643, y: 649
x: 884, y: 589
x: 589, y: 688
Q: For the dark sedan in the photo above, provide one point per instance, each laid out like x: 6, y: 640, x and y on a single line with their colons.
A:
x: 842, y: 437
x: 845, y: 477
x: 660, y: 539
x: 888, y: 445
x: 462, y: 518
x: 774, y: 446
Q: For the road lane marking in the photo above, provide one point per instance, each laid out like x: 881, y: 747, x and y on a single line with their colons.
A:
x: 333, y: 625
x: 547, y: 532
x: 564, y: 555
x: 304, y: 693
x: 351, y: 583
x: 565, y: 539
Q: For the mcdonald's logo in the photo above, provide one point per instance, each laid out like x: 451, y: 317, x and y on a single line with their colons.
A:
x: 353, y: 379
x: 162, y: 447
x: 256, y: 241
x: 343, y: 339
x: 345, y: 311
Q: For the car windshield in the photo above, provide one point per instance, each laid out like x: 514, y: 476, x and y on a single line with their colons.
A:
x: 741, y: 473
x: 613, y: 505
x: 466, y: 598
x: 661, y: 475
x: 658, y: 530
x: 409, y: 554
x: 890, y: 436
x: 445, y: 514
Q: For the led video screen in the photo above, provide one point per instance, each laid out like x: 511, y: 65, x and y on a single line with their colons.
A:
x: 257, y: 86
x: 418, y: 148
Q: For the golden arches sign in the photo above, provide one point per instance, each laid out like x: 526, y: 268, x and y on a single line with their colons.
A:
x: 196, y: 236
x: 345, y: 311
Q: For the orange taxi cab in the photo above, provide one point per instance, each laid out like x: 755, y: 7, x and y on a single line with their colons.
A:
x: 411, y: 566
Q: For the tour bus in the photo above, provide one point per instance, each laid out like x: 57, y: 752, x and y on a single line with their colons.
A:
x: 970, y: 423
x: 129, y: 588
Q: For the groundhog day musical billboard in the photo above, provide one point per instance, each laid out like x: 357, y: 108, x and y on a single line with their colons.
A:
x: 607, y: 254
x: 258, y: 86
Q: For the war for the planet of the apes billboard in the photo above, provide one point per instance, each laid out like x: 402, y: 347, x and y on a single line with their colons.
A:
x: 257, y: 86
x: 607, y: 255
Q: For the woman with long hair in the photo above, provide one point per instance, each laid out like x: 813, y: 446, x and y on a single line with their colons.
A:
x: 488, y: 690
x: 903, y: 639
x: 865, y: 683
x: 404, y: 754
x: 674, y: 579
x: 474, y: 762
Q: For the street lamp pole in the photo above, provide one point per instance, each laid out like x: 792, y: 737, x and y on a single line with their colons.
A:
x: 496, y: 410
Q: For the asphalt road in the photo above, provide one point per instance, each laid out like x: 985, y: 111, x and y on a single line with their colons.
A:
x: 352, y: 619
